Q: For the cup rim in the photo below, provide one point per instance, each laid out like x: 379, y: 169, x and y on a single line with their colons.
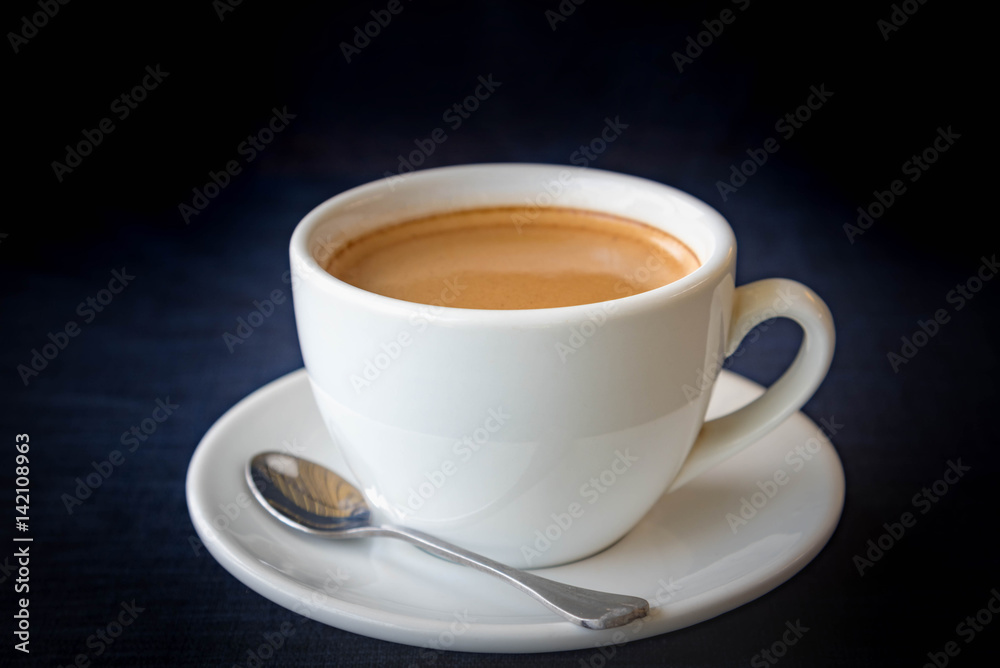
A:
x: 303, y: 262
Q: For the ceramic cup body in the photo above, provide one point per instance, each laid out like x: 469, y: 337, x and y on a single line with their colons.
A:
x: 535, y: 437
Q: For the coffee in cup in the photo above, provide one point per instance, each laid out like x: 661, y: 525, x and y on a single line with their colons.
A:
x: 562, y: 257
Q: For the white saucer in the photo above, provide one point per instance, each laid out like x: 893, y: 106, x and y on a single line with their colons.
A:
x: 684, y: 557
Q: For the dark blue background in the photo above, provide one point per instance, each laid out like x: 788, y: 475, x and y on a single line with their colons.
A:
x: 162, y: 336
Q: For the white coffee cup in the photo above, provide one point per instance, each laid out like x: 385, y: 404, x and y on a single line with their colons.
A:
x: 537, y: 437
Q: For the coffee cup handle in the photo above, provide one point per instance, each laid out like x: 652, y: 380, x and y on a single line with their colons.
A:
x: 754, y: 303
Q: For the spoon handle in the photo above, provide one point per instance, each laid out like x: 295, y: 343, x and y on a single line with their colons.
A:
x: 586, y: 607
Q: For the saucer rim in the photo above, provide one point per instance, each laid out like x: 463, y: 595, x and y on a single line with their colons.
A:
x: 553, y: 634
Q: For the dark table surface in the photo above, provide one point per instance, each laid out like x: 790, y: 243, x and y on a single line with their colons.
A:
x: 894, y: 78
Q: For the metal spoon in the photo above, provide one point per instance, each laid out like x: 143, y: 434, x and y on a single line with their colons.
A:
x: 314, y: 499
